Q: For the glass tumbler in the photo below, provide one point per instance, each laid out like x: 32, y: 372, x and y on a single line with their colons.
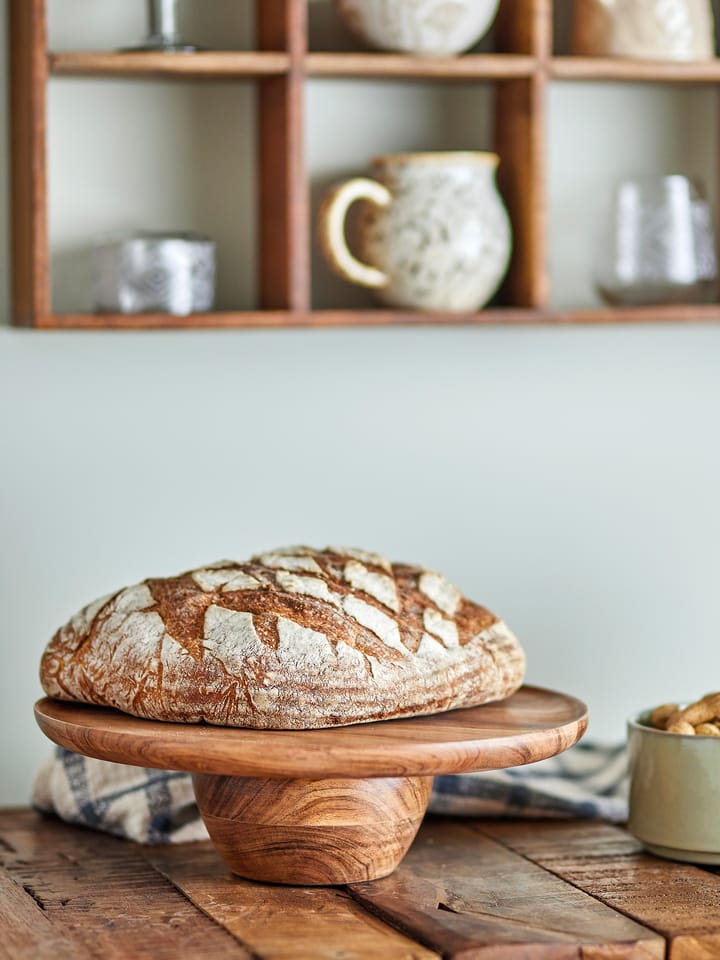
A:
x: 658, y: 245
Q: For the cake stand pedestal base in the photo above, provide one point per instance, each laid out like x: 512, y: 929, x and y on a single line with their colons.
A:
x: 312, y: 832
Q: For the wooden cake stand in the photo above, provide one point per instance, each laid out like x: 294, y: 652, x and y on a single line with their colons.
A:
x: 322, y: 806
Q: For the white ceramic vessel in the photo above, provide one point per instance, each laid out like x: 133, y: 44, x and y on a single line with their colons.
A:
x: 434, y: 235
x: 674, y: 792
x: 431, y: 27
x: 646, y: 29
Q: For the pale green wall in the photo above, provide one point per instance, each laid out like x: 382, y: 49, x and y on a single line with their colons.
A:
x: 567, y: 477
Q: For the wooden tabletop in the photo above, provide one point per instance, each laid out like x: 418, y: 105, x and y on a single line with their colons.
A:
x: 467, y: 889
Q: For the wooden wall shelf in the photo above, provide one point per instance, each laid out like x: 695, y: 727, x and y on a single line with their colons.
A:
x: 520, y: 75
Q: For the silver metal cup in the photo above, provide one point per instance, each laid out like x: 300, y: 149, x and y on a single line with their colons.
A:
x: 155, y: 273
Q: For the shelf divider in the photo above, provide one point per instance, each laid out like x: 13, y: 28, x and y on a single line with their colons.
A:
x: 525, y: 27
x: 284, y: 205
x: 28, y: 161
x: 520, y: 140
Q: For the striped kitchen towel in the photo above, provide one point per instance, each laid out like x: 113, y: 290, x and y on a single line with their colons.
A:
x: 158, y: 806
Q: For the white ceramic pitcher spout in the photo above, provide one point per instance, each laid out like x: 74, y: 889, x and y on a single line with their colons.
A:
x: 646, y: 29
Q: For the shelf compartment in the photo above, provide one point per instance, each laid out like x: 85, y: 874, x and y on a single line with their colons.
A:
x: 389, y: 65
x: 163, y: 65
x: 492, y: 317
x: 639, y: 71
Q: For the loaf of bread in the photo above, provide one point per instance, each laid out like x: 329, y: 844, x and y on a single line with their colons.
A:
x: 293, y: 639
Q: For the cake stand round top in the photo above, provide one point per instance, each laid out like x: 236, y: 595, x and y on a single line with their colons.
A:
x: 530, y: 725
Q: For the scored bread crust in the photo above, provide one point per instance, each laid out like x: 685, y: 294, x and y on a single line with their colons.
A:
x: 294, y: 639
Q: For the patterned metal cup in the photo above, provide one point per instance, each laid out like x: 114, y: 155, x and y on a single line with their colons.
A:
x: 155, y: 272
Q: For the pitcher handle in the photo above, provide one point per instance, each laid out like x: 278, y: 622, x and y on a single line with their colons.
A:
x: 331, y: 224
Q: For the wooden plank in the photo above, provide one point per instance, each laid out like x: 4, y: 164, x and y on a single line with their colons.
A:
x: 466, y: 895
x: 284, y: 195
x: 26, y: 931
x: 492, y: 317
x: 680, y: 901
x: 281, y: 923
x: 629, y: 70
x: 102, y: 893
x: 28, y: 175
x: 186, y: 66
x: 520, y: 142
x: 392, y: 65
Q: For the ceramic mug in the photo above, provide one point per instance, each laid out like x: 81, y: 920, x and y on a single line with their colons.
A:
x: 433, y: 27
x: 649, y: 29
x: 674, y: 792
x: 434, y: 234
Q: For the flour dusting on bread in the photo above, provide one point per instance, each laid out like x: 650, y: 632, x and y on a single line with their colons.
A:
x: 295, y: 638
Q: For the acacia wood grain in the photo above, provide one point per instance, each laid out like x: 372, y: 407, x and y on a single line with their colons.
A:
x: 528, y: 726
x: 487, y: 897
x: 680, y: 902
x: 304, y: 827
x: 310, y: 832
x: 313, y: 803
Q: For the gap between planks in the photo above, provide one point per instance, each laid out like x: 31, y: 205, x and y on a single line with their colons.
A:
x: 678, y: 900
x: 466, y: 895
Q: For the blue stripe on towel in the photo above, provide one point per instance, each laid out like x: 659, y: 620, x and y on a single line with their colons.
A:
x: 155, y: 806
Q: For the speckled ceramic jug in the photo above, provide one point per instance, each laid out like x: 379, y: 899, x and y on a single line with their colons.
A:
x: 647, y: 29
x: 434, y: 235
x: 432, y: 27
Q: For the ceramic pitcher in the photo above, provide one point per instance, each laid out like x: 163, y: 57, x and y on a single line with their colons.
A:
x: 648, y: 29
x: 432, y: 27
x: 433, y: 235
